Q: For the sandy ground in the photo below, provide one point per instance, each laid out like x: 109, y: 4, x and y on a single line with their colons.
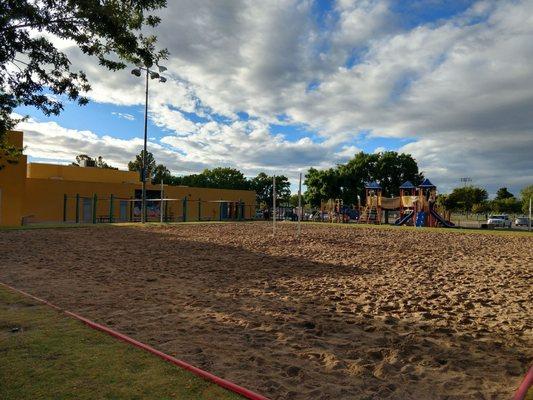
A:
x: 342, y: 313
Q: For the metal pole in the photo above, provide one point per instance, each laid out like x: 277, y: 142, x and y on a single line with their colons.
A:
x: 95, y: 199
x: 199, y: 209
x: 64, y: 208
x: 111, y: 209
x: 77, y: 208
x: 143, y: 205
x: 300, y: 205
x: 529, y: 229
x: 161, y: 203
x: 274, y: 205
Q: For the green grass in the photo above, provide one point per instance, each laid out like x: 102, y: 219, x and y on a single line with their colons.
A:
x: 411, y: 228
x: 45, y: 354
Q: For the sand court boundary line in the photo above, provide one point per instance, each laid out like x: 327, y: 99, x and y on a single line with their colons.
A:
x: 182, y: 364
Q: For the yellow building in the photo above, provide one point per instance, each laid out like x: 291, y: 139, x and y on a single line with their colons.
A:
x: 39, y: 193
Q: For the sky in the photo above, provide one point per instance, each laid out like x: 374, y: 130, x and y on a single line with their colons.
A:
x: 282, y: 86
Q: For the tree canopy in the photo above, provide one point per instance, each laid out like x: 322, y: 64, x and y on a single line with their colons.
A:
x: 31, y: 64
x: 137, y: 164
x: 161, y: 174
x: 526, y: 194
x: 97, y: 162
x: 346, y: 181
x: 262, y: 184
x: 463, y: 198
x: 503, y: 194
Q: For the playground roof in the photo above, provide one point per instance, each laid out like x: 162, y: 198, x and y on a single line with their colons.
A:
x: 407, y: 185
x: 427, y: 184
x: 372, y: 185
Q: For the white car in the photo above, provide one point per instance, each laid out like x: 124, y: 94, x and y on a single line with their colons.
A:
x: 522, y: 221
x: 499, y: 221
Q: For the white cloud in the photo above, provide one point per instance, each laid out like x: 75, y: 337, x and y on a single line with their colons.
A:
x: 126, y: 116
x: 461, y: 88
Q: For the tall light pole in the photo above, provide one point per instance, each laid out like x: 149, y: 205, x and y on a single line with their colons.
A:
x: 149, y: 75
x: 466, y: 180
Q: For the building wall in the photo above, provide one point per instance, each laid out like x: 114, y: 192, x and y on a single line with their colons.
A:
x: 44, y: 200
x: 47, y: 193
x: 74, y: 173
x: 12, y: 185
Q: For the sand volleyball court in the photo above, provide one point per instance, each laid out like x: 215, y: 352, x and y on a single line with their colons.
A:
x: 342, y: 313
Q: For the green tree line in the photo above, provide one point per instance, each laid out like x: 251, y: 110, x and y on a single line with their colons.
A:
x: 219, y: 178
x: 472, y: 199
x: 345, y: 181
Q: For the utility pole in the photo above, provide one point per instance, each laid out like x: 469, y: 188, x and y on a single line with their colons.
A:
x: 465, y: 180
x: 150, y: 74
x: 143, y: 196
x: 161, y: 203
x: 274, y: 205
x: 300, y: 205
x: 529, y: 229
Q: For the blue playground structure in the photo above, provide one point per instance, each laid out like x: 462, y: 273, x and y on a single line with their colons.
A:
x: 416, y: 205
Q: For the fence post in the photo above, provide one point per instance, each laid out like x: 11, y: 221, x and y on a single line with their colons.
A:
x: 199, y: 209
x: 185, y: 209
x: 220, y: 211
x: 95, y: 199
x: 131, y: 205
x: 77, y: 208
x: 111, y: 198
x: 64, y: 208
x: 239, y: 210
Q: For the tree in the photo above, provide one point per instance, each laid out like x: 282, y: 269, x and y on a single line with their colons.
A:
x: 347, y: 181
x: 503, y: 193
x: 262, y: 184
x: 293, y: 200
x: 322, y: 185
x: 526, y: 194
x: 464, y: 198
x: 89, y: 161
x: 225, y: 178
x: 393, y: 169
x: 30, y: 61
x: 136, y: 165
x: 194, y: 180
x: 161, y: 173
x: 100, y: 163
x: 481, y: 208
x: 508, y: 205
x: 97, y: 162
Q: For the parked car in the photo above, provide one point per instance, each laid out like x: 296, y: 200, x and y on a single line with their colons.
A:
x: 499, y: 221
x: 522, y: 221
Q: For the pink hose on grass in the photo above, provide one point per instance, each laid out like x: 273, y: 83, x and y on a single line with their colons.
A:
x: 525, y: 385
x: 519, y: 395
x: 182, y: 364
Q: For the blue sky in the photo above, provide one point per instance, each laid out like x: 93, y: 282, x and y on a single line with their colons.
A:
x: 283, y: 87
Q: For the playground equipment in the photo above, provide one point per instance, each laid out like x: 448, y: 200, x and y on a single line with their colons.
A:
x: 416, y: 205
x: 332, y: 209
x: 371, y: 214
